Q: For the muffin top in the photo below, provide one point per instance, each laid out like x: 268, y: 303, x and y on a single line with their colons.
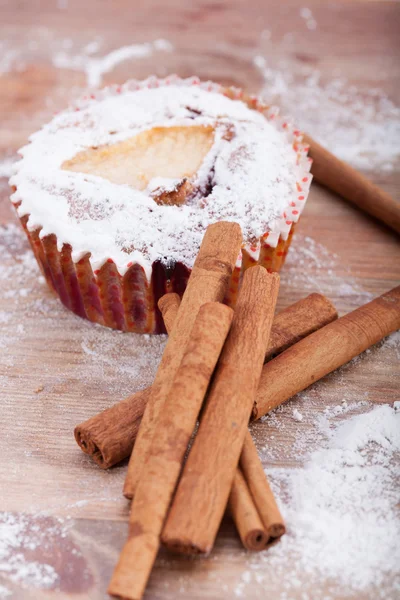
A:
x: 136, y: 173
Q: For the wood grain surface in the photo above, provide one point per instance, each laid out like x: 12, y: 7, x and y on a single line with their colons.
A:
x: 57, y: 370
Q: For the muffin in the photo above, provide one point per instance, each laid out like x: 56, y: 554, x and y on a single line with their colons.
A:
x: 116, y: 192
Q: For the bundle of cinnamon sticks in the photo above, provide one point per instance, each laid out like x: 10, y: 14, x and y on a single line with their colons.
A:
x: 213, y: 370
x: 207, y: 339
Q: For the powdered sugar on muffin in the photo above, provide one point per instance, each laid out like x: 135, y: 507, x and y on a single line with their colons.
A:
x: 254, y: 171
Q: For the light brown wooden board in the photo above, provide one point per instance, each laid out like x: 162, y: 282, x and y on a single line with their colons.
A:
x: 56, y: 370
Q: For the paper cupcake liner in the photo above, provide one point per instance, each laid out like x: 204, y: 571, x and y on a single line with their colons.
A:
x: 129, y: 302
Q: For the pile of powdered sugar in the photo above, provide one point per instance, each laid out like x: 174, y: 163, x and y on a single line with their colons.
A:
x: 341, y: 510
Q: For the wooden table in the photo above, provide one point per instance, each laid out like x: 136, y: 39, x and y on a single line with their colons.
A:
x: 56, y: 370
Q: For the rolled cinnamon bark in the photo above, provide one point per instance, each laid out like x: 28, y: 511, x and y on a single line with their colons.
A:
x: 244, y: 512
x: 257, y: 523
x: 208, y: 282
x: 339, y: 177
x: 260, y: 490
x: 207, y: 477
x: 297, y: 321
x: 108, y: 437
x: 326, y: 350
x: 172, y: 434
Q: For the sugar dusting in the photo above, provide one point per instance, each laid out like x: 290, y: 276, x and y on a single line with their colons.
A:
x: 4, y: 592
x: 95, y: 67
x: 361, y: 125
x: 311, y: 267
x: 89, y: 58
x: 307, y: 15
x: 228, y: 185
x: 15, y: 536
x: 6, y: 167
x: 37, y: 552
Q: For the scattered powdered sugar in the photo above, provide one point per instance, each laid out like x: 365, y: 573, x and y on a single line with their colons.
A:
x: 7, y: 58
x: 124, y: 353
x: 312, y: 267
x: 7, y: 167
x: 38, y: 551
x: 297, y: 416
x: 306, y: 14
x: 50, y: 194
x: 64, y: 53
x: 360, y: 125
x: 4, y: 592
x: 394, y: 342
x: 95, y: 67
x: 19, y: 537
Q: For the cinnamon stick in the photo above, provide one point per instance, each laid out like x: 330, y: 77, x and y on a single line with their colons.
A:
x: 326, y: 350
x: 245, y: 514
x: 108, y: 437
x: 169, y: 305
x: 207, y: 477
x: 208, y: 282
x: 257, y: 523
x: 171, y: 437
x: 299, y: 320
x: 260, y: 490
x: 339, y: 177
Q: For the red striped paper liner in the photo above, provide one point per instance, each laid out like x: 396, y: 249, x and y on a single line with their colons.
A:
x: 128, y: 302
